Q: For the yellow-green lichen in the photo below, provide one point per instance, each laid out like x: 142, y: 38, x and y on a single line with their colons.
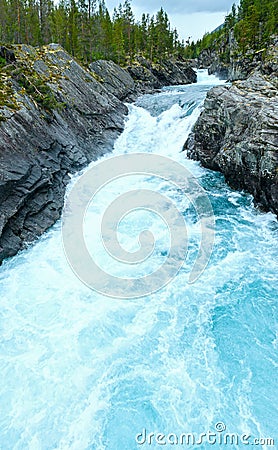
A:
x: 32, y: 82
x: 96, y: 77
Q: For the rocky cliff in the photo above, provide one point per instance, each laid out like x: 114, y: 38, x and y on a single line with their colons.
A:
x: 115, y: 79
x: 149, y: 76
x: 230, y: 64
x: 55, y: 118
x: 237, y: 134
x: 45, y: 135
x: 142, y: 76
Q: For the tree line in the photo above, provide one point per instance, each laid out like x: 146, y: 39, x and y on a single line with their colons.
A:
x: 253, y: 23
x: 86, y: 29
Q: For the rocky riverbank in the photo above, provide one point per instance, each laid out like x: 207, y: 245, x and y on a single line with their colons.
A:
x: 237, y: 134
x: 229, y: 64
x: 142, y: 77
x: 55, y: 118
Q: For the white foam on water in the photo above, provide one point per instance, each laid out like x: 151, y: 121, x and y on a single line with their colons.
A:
x: 81, y: 371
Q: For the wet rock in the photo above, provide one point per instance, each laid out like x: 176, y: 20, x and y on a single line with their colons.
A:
x: 237, y: 134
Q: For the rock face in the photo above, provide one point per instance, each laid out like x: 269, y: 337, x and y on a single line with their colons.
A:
x: 142, y: 77
x: 237, y: 134
x: 38, y: 148
x: 116, y: 80
x: 55, y: 118
x: 227, y: 63
x: 149, y: 77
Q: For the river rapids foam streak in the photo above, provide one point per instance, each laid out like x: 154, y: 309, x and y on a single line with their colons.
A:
x: 80, y: 371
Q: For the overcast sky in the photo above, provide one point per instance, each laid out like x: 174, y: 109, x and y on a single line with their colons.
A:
x: 190, y: 17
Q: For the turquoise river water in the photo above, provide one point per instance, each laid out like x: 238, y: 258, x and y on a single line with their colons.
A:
x: 81, y: 371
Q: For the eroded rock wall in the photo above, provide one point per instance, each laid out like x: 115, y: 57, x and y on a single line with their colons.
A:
x: 39, y: 148
x: 55, y: 118
x: 237, y: 134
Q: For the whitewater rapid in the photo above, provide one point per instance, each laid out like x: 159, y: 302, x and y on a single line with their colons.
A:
x: 81, y: 371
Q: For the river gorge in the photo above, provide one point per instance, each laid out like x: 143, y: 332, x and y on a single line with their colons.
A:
x: 82, y: 371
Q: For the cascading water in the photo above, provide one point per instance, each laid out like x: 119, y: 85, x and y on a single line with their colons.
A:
x: 81, y: 371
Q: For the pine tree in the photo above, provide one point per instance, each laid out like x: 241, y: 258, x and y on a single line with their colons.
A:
x: 72, y: 35
x: 85, y: 29
x: 253, y: 23
x: 128, y: 26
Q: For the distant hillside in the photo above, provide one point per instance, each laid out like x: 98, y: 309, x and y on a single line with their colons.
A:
x: 249, y: 27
